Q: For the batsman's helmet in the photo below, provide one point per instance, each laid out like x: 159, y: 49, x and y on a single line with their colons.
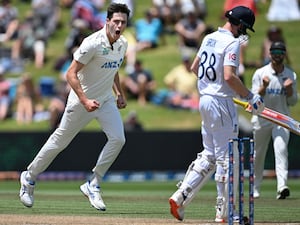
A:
x: 241, y: 15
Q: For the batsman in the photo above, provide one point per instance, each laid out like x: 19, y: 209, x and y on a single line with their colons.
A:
x: 216, y: 66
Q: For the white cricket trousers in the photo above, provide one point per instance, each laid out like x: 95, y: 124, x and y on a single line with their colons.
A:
x: 219, y: 124
x: 262, y: 138
x: 74, y: 119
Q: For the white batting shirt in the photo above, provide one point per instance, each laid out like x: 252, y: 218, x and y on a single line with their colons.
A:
x: 102, y: 61
x: 218, y: 49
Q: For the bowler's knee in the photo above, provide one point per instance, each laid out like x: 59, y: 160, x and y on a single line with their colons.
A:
x: 117, y: 140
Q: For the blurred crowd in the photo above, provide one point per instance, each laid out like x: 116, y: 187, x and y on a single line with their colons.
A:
x: 23, y: 40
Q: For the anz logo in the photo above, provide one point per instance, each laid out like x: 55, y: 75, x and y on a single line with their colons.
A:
x: 275, y: 91
x: 112, y: 64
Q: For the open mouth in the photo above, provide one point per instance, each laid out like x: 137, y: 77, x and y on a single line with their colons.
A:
x: 118, y: 32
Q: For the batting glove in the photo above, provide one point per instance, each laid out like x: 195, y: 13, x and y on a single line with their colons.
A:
x: 257, y: 104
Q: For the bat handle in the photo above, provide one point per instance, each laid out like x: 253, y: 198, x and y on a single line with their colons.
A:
x: 245, y: 105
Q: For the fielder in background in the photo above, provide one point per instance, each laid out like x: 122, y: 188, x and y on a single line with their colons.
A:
x: 276, y: 83
x: 216, y: 66
x: 92, y: 75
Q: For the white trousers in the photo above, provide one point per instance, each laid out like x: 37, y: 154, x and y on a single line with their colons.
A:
x: 74, y: 119
x: 262, y: 138
x: 219, y: 124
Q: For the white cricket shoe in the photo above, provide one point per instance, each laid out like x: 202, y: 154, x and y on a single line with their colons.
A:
x: 221, y: 214
x: 256, y: 194
x: 176, y: 208
x: 94, y: 196
x: 26, y: 190
x: 236, y: 217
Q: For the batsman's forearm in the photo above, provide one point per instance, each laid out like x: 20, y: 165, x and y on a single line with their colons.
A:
x: 235, y: 82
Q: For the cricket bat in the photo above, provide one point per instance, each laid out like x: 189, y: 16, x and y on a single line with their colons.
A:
x: 274, y: 116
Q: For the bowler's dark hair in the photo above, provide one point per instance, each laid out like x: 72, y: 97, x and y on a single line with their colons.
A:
x: 117, y: 7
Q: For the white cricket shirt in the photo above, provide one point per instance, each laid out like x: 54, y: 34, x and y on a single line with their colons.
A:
x: 102, y: 61
x: 218, y: 49
x: 275, y: 96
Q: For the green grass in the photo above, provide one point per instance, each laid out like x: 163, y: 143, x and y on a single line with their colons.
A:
x: 160, y: 61
x: 144, y: 200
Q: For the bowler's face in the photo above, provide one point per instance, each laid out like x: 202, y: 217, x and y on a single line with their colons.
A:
x: 116, y: 25
x: 277, y: 56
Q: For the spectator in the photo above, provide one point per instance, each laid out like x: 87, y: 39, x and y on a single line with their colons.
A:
x: 90, y: 12
x: 132, y: 122
x: 182, y: 85
x: 140, y: 84
x: 229, y: 4
x: 277, y: 84
x: 39, y: 25
x: 4, y: 97
x: 190, y: 31
x: 46, y: 15
x: 196, y: 6
x: 9, y: 21
x: 58, y: 103
x: 282, y: 10
x: 146, y: 35
x: 131, y: 51
x: 26, y: 98
x: 169, y: 12
x: 79, y: 30
x: 9, y: 24
x: 31, y: 42
x: 86, y: 17
x: 63, y: 88
x: 273, y: 34
x: 148, y: 31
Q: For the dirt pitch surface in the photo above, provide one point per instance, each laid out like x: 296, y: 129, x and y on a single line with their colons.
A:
x: 8, y: 219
